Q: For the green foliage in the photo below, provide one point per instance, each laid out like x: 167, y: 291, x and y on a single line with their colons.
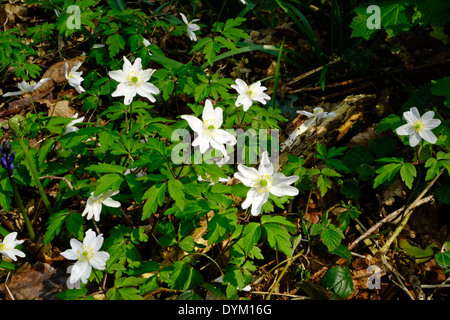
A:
x: 174, y: 233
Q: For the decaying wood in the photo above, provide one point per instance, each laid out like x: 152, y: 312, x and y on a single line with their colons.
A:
x: 301, y: 139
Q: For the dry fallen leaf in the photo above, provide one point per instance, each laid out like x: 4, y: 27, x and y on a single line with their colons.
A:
x: 40, y: 282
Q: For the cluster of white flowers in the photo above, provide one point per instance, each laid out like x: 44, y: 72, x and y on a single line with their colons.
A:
x: 209, y: 135
x: 134, y: 80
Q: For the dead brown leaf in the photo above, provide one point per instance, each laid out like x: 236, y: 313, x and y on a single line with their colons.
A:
x: 39, y: 282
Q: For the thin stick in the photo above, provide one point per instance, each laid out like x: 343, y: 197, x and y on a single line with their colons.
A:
x: 408, y: 213
x: 388, y: 218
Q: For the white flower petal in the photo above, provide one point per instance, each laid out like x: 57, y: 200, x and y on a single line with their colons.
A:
x: 258, y: 202
x: 414, y: 139
x: 195, y: 123
x: 405, y: 130
x: 428, y: 136
x: 265, y: 166
x: 247, y: 175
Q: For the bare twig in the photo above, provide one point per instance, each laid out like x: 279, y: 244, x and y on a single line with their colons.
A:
x: 407, y: 214
x: 69, y: 184
x: 388, y: 218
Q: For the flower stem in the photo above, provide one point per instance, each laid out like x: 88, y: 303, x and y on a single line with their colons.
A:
x: 35, y: 111
x: 35, y: 175
x: 22, y: 210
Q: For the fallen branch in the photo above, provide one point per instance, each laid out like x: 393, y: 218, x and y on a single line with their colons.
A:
x: 388, y: 218
x: 408, y: 213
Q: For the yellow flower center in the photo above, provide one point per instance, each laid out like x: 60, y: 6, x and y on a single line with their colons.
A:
x: 210, y: 127
x: 263, y: 183
x: 134, y: 79
x: 418, y: 126
x: 86, y: 253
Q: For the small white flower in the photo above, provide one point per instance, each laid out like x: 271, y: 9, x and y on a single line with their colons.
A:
x: 208, y: 130
x: 133, y: 80
x: 74, y: 77
x: 71, y: 126
x: 248, y: 94
x: 8, y: 246
x: 146, y: 43
x: 262, y: 182
x: 318, y: 113
x: 191, y: 27
x: 27, y: 87
x: 87, y: 255
x: 243, y: 1
x: 417, y: 127
x: 94, y: 204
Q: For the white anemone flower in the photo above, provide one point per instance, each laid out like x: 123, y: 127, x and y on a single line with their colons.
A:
x: 27, y: 87
x: 71, y: 126
x: 262, y: 182
x: 133, y: 80
x: 418, y: 127
x: 87, y: 255
x: 318, y: 113
x: 248, y: 94
x: 74, y: 77
x: 8, y: 246
x: 191, y: 27
x: 94, y: 204
x: 208, y: 130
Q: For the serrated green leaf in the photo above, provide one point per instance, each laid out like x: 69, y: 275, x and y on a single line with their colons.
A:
x: 386, y: 173
x: 324, y: 184
x: 115, y: 43
x: 108, y: 182
x: 339, y: 279
x: 175, y: 188
x: 278, y: 237
x: 408, y: 173
x: 250, y: 236
x: 331, y: 237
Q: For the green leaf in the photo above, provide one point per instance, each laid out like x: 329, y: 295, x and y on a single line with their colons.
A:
x: 324, y: 184
x: 393, y: 19
x: 175, y: 188
x: 386, y: 173
x: 391, y: 122
x: 278, y: 237
x: 187, y: 244
x: 155, y: 198
x: 115, y: 43
x: 220, y: 226
x: 443, y: 257
x: 105, y: 168
x: 55, y: 223
x: 408, y: 173
x: 250, y: 236
x: 331, y: 236
x: 108, y: 182
x: 339, y: 279
x: 434, y: 168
